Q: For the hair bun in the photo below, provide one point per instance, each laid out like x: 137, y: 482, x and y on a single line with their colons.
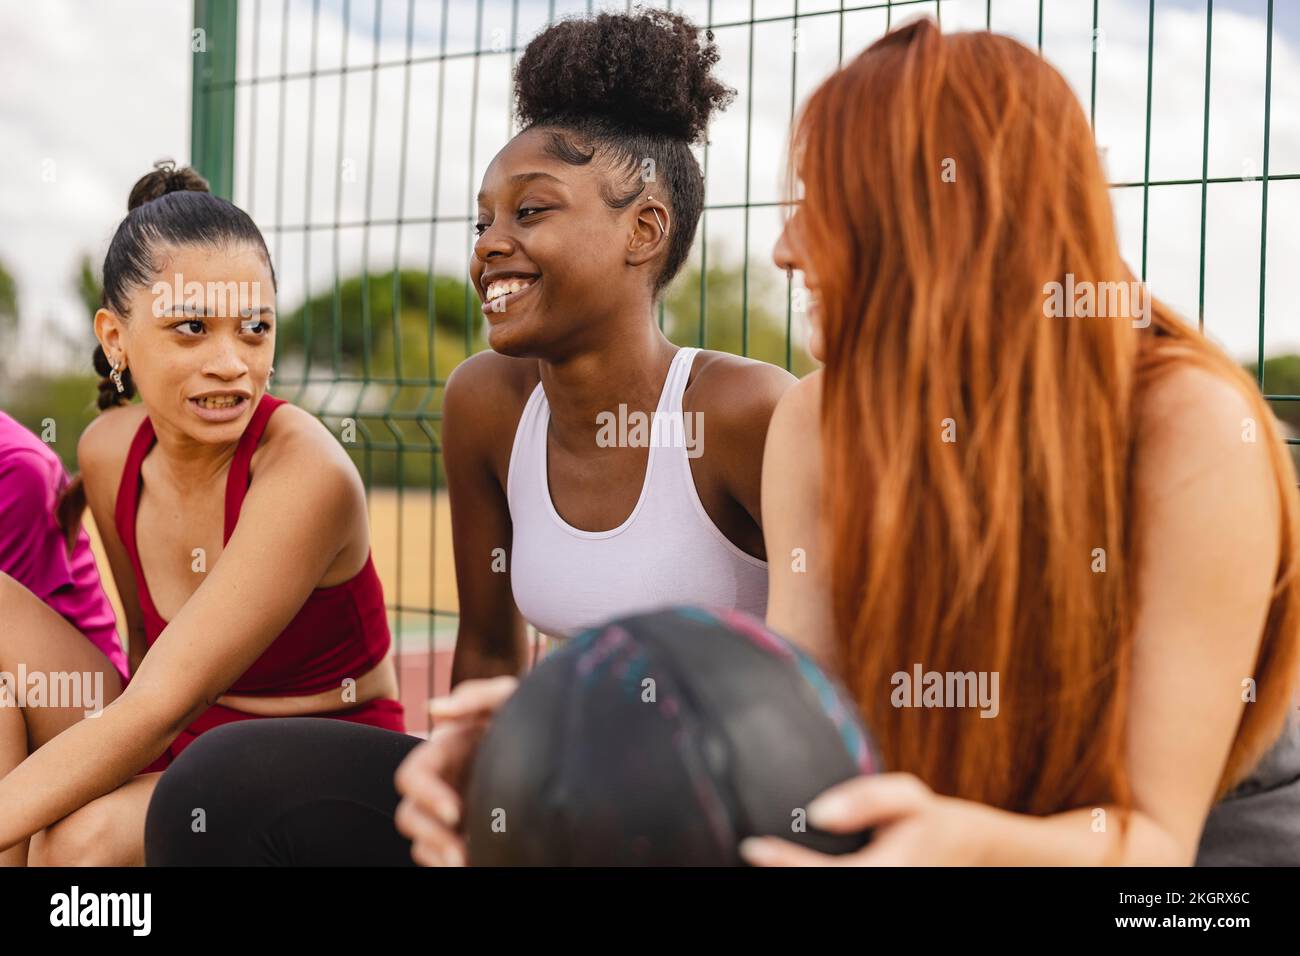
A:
x: 163, y: 179
x: 648, y: 71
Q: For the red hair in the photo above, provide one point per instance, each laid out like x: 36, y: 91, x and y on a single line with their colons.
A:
x: 947, y: 179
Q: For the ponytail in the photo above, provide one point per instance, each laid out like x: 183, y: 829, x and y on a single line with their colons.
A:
x: 109, y: 396
x: 68, y: 511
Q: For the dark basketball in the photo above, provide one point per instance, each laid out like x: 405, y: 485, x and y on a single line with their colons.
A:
x: 663, y: 739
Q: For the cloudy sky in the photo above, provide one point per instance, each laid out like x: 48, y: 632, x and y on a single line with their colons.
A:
x: 91, y: 93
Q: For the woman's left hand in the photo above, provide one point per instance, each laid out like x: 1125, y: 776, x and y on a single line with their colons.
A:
x: 914, y: 826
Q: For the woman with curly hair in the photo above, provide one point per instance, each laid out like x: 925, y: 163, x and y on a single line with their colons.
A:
x: 584, y: 219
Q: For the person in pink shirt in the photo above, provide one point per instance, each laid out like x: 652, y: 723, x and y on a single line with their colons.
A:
x: 53, y: 560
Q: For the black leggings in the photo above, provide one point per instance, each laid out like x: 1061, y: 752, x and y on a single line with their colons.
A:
x: 285, y: 791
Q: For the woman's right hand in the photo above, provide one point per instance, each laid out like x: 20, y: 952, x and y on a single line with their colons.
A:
x: 433, y: 775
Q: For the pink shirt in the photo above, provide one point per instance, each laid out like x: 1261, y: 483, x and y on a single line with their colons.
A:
x: 32, y: 548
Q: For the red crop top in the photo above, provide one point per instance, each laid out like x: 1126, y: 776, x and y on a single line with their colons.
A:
x: 340, y: 632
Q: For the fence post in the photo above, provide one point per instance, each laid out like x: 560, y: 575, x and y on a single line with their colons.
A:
x: 212, y: 105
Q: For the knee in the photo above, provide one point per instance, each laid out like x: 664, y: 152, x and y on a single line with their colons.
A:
x: 87, y: 837
x: 207, y: 785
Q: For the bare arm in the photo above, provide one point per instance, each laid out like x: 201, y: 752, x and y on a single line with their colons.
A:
x: 1209, y: 547
x: 289, y: 533
x: 798, y: 597
x: 490, y: 637
x: 739, y: 396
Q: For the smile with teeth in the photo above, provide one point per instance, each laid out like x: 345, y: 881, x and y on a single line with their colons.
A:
x: 219, y: 401
x: 502, y: 287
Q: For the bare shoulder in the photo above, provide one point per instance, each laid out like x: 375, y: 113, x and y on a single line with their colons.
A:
x: 792, y: 458
x: 297, y: 444
x: 300, y: 468
x: 109, y: 435
x: 1186, y: 390
x: 737, y: 397
x: 796, y: 422
x: 484, y: 397
x: 735, y: 388
x: 805, y: 395
x: 1203, y: 449
x: 487, y: 380
x: 1192, y: 419
x: 104, y: 444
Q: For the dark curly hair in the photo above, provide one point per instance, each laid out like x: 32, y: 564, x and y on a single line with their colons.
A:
x: 629, y: 87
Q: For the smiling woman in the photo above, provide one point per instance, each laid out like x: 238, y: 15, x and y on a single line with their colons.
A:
x: 191, y: 490
x: 584, y: 219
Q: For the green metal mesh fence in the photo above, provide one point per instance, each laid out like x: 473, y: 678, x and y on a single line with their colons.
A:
x: 356, y: 133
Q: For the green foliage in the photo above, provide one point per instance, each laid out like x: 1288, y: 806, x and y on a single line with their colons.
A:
x: 380, y: 329
x: 1281, y: 377
x: 67, y: 400
x: 351, y: 328
x: 8, y: 300
x: 86, y: 282
x: 380, y: 435
x: 725, y: 314
x: 8, y: 323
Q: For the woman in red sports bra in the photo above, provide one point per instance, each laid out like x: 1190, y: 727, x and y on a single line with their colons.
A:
x: 341, y: 631
x: 235, y: 525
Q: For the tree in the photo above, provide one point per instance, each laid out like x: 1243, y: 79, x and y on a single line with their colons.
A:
x: 353, y: 324
x: 727, y: 310
x: 86, y: 282
x: 8, y: 319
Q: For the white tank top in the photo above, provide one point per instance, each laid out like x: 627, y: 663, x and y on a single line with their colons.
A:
x: 668, y: 551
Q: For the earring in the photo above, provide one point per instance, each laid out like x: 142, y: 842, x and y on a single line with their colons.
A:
x: 116, y: 376
x: 662, y: 228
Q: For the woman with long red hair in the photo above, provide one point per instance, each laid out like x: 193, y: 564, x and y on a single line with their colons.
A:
x: 1095, y: 508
